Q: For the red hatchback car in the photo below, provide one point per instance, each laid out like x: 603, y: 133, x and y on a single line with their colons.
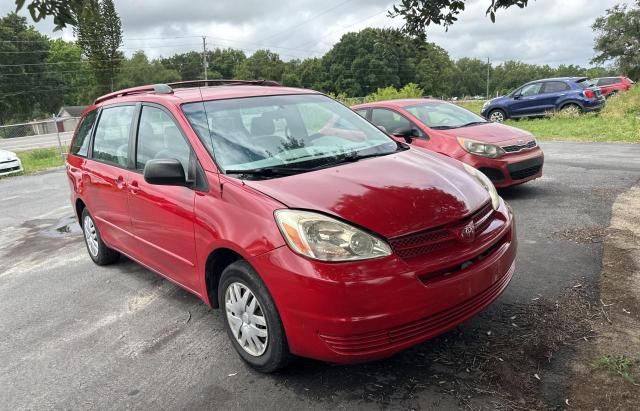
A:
x: 507, y: 155
x: 315, y: 232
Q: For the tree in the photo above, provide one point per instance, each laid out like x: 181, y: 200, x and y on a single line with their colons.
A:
x: 64, y: 12
x: 138, y: 71
x: 69, y: 74
x: 24, y: 90
x: 99, y: 34
x: 418, y: 14
x: 618, y: 38
x: 263, y: 64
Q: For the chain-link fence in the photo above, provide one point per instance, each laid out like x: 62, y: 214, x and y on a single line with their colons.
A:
x: 55, y: 132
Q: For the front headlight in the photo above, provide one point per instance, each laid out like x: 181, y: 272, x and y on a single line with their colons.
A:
x: 486, y: 183
x: 485, y: 105
x: 323, y: 238
x: 480, y: 149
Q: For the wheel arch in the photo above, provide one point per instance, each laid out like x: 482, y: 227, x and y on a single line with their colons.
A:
x: 79, y: 207
x: 569, y: 102
x: 217, y: 261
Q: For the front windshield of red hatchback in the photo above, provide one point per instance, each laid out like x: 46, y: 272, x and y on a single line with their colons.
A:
x: 288, y: 132
x: 442, y: 115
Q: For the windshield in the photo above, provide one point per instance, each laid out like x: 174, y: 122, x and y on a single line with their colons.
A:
x: 304, y: 131
x: 439, y: 114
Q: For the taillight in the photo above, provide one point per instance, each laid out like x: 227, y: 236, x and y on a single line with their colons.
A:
x: 589, y: 94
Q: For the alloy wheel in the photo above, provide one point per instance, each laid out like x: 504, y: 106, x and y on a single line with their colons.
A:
x: 246, y: 319
x: 497, y: 116
x: 91, y: 235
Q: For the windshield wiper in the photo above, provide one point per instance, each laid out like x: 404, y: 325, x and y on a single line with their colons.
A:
x: 473, y: 123
x: 269, y: 171
x: 354, y: 156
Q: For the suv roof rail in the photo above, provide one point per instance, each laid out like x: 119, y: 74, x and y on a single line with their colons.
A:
x: 168, y: 88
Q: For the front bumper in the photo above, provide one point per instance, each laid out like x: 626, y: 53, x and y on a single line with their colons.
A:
x: 361, y: 311
x: 10, y: 167
x: 508, y: 170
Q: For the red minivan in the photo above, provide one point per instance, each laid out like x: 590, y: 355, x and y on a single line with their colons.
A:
x: 507, y: 155
x: 319, y: 235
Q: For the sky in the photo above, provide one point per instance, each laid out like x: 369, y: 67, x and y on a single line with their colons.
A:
x: 546, y: 32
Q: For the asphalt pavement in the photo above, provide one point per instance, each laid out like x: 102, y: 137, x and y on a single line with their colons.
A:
x: 77, y: 336
x: 39, y: 141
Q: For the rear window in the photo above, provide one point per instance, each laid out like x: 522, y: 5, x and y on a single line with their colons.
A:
x: 585, y: 83
x: 80, y: 145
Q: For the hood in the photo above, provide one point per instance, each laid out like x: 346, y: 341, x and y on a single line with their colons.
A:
x: 390, y: 195
x: 489, y: 133
x: 6, y: 155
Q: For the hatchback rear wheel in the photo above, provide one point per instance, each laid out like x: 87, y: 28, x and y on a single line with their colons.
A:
x: 251, y: 318
x: 98, y: 251
x: 571, y: 110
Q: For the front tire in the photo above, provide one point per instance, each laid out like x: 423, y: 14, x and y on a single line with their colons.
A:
x: 497, y: 116
x: 251, y: 318
x: 98, y: 251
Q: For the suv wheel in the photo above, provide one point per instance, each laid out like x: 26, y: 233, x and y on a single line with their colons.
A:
x: 571, y: 110
x: 497, y: 116
x: 251, y: 319
x: 98, y: 251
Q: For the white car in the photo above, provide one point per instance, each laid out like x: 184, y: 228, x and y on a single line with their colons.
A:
x: 9, y: 163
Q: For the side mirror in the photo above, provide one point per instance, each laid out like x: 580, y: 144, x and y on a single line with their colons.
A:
x: 517, y: 96
x: 165, y: 172
x: 408, y: 134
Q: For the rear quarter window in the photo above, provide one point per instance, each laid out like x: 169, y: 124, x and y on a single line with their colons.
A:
x: 80, y: 144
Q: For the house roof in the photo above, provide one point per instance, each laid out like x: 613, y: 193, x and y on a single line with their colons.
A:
x: 73, y: 111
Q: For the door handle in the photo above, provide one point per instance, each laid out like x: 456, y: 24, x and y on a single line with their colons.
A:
x: 120, y: 183
x: 134, y: 188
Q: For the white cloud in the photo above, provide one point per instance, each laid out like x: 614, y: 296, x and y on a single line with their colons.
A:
x: 546, y: 32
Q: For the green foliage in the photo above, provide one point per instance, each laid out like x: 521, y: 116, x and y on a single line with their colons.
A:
x: 74, y: 81
x: 63, y: 11
x: 40, y: 159
x: 263, y: 64
x: 99, y: 34
x: 411, y: 90
x: 620, y: 365
x: 138, y: 71
x: 418, y: 14
x: 23, y: 76
x: 618, y: 38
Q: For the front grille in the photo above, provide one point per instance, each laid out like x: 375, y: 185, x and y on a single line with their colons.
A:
x: 436, y: 239
x: 517, y: 147
x: 421, y: 329
x: 524, y: 173
x: 8, y: 170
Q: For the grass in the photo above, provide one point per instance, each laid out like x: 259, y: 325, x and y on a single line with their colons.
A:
x: 618, y: 122
x: 619, y: 365
x: 40, y: 159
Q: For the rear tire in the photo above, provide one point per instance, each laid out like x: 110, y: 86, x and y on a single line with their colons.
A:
x: 251, y: 318
x: 98, y: 251
x: 571, y: 109
x: 497, y: 115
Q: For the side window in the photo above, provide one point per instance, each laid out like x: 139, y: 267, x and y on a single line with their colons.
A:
x: 160, y: 138
x: 111, y: 142
x: 555, y: 87
x: 531, y: 89
x: 362, y: 112
x: 390, y: 120
x: 80, y: 144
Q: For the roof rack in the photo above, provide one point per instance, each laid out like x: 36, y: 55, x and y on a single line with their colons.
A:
x: 168, y: 88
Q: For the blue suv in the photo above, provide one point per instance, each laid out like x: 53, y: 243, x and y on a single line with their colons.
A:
x: 537, y: 98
